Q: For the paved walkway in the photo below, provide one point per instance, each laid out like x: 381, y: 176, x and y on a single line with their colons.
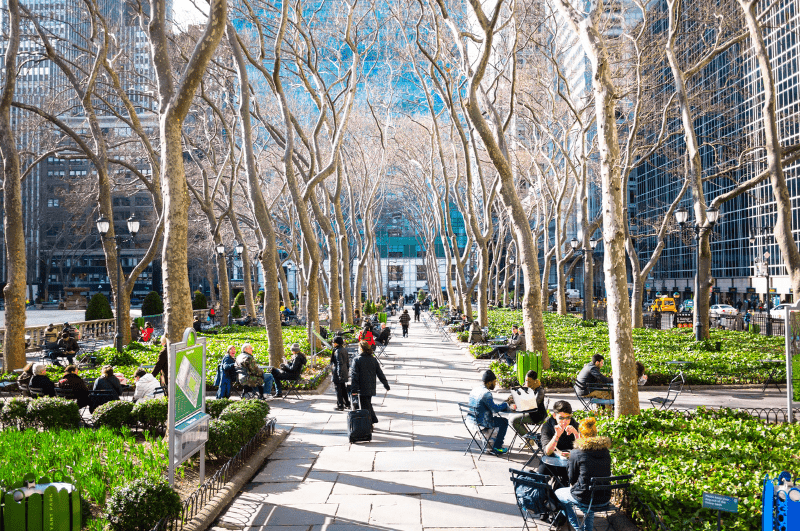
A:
x: 413, y: 475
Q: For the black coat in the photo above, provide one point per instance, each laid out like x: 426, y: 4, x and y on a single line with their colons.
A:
x: 363, y: 371
x: 110, y: 383
x: 40, y: 381
x: 590, y: 460
x: 417, y: 307
x: 589, y: 375
x: 161, y: 366
x: 340, y: 365
x: 295, y: 367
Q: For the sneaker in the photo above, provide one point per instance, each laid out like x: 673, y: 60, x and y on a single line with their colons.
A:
x: 339, y: 408
x: 499, y: 451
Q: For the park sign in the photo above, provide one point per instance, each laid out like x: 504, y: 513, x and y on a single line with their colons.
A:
x: 187, y: 421
x: 792, y: 320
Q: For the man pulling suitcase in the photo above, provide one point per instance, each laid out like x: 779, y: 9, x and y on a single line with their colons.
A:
x: 363, y: 372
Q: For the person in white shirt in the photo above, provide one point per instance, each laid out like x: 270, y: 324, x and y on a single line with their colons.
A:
x: 146, y: 384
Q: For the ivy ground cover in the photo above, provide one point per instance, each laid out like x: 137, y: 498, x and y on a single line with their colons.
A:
x: 571, y: 344
x: 676, y: 457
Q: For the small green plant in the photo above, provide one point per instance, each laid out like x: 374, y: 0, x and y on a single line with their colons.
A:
x: 140, y: 505
x: 506, y: 378
x: 114, y: 414
x: 15, y: 413
x: 239, y: 299
x: 236, y: 313
x: 215, y: 407
x: 151, y: 413
x: 199, y: 302
x: 98, y: 308
x: 463, y: 336
x: 152, y: 304
x: 248, y: 415
x: 260, y: 297
x: 420, y: 295
x: 53, y: 412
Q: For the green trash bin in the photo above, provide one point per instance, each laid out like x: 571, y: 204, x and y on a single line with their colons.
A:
x: 43, y: 505
x: 527, y: 361
x: 382, y: 317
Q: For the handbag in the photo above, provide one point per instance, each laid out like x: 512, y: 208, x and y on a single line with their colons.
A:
x: 524, y: 399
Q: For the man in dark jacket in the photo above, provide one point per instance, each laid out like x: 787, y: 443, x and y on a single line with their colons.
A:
x: 363, y: 371
x: 405, y: 319
x: 417, y: 309
x: 291, y: 371
x: 559, y: 434
x: 72, y: 381
x: 383, y: 337
x: 590, y: 459
x: 68, y: 346
x: 591, y: 375
x: 340, y: 371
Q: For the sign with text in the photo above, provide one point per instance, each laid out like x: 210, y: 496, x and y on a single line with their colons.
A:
x: 719, y: 502
x: 684, y: 320
x: 792, y: 320
x: 187, y: 421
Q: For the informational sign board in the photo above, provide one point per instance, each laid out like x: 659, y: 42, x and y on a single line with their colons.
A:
x: 188, y: 421
x: 792, y: 321
x: 719, y: 502
x: 684, y: 320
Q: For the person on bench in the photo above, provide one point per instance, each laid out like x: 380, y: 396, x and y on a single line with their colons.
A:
x: 68, y: 347
x: 506, y: 352
x: 383, y: 337
x: 291, y: 371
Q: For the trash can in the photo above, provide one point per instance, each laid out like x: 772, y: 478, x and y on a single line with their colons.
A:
x: 42, y: 505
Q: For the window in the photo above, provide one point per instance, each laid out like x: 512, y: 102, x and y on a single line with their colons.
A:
x: 53, y: 202
x: 395, y: 272
x: 452, y: 272
x: 422, y: 273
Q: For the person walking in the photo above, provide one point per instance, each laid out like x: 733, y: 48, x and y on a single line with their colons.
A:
x: 405, y: 319
x: 363, y: 371
x: 417, y: 309
x: 340, y: 371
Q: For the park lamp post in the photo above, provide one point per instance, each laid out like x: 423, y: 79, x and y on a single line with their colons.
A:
x: 682, y: 217
x: 238, y: 249
x: 574, y: 243
x: 103, y: 226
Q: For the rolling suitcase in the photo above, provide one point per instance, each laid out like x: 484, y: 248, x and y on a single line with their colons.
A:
x: 359, y: 423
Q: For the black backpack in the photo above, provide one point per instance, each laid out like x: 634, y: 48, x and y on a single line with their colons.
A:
x: 537, y: 500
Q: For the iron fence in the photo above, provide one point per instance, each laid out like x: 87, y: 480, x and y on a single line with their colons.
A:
x: 199, y: 498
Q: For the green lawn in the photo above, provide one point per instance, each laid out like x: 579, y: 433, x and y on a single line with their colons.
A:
x: 571, y: 345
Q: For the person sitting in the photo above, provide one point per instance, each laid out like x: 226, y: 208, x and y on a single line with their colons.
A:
x: 291, y: 371
x: 507, y: 351
x: 51, y: 337
x: 146, y: 384
x: 110, y: 384
x: 383, y: 337
x: 198, y: 327
x: 147, y: 332
x: 250, y: 375
x: 72, y: 331
x: 482, y: 402
x: 534, y: 386
x: 641, y: 377
x: 160, y: 369
x: 41, y: 381
x: 24, y: 379
x: 590, y: 375
x: 244, y: 321
x: 135, y: 332
x: 72, y: 381
x: 590, y: 459
x: 559, y: 434
x: 226, y: 373
x: 366, y: 334
x: 357, y: 318
x: 67, y: 346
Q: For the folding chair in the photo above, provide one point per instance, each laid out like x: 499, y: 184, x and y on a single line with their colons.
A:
x: 533, y: 441
x: 481, y: 435
x: 604, y: 485
x: 673, y: 392
x: 291, y: 387
x: 601, y: 401
x: 36, y: 392
x: 244, y: 392
x: 534, y: 496
x: 584, y: 400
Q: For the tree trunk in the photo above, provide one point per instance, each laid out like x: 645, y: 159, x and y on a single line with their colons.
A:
x: 13, y: 220
x: 287, y: 299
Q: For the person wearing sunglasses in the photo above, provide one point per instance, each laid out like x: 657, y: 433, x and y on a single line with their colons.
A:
x: 559, y: 434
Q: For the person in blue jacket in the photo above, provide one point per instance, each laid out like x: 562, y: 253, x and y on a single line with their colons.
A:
x: 226, y: 373
x: 482, y: 402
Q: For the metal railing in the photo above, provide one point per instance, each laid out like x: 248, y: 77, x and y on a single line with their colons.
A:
x: 200, y: 497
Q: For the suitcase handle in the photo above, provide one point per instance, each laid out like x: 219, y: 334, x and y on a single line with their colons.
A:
x: 355, y: 402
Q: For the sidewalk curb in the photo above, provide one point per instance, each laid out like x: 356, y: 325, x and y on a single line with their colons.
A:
x: 206, y: 517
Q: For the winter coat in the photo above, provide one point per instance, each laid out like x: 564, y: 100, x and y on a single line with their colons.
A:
x: 226, y: 368
x: 340, y: 365
x: 145, y: 387
x: 77, y: 385
x: 368, y: 337
x: 294, y: 370
x: 405, y: 318
x: 68, y: 344
x: 589, y: 375
x: 161, y: 367
x: 363, y: 371
x: 110, y: 383
x: 40, y: 381
x: 250, y: 375
x: 417, y: 307
x: 591, y: 459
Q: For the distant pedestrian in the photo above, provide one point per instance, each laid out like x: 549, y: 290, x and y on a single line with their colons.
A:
x: 417, y: 310
x: 363, y: 372
x: 405, y: 319
x: 340, y: 372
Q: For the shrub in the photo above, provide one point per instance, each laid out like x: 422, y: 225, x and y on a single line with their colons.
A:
x: 420, y: 296
x: 15, y: 413
x: 236, y: 313
x: 248, y: 415
x: 239, y: 299
x: 199, y: 302
x: 152, y: 304
x: 98, y: 308
x: 151, y: 413
x: 260, y: 297
x: 506, y: 376
x: 114, y: 414
x: 118, y: 359
x: 223, y: 438
x: 215, y: 407
x: 141, y: 504
x: 54, y: 412
x: 463, y: 336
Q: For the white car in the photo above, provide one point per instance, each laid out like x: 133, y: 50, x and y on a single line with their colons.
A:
x: 778, y: 312
x: 722, y: 310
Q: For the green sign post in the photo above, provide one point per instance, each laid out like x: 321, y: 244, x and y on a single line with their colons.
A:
x: 188, y: 421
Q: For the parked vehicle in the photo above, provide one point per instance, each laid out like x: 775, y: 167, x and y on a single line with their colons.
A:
x: 778, y: 312
x: 722, y: 310
x: 688, y: 305
x: 663, y: 304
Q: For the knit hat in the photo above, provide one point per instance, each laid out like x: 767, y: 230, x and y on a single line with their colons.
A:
x: 488, y: 376
x: 588, y: 427
x: 295, y: 347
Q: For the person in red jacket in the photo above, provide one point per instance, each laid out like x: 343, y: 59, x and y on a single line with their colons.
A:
x: 366, y: 335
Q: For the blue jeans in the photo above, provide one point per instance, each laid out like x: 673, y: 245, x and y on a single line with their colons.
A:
x: 224, y: 390
x: 568, y: 500
x: 501, y: 423
x: 269, y: 383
